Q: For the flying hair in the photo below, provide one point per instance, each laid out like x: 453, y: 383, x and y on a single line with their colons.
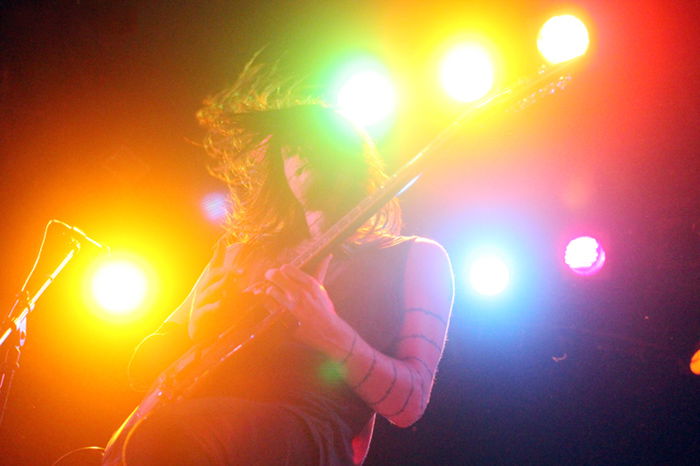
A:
x: 246, y: 125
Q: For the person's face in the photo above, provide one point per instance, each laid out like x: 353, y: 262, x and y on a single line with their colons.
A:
x: 315, y: 183
x: 298, y: 171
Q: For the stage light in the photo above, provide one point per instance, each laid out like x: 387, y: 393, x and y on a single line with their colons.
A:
x: 367, y: 97
x: 216, y: 207
x: 467, y: 72
x: 584, y: 255
x: 562, y: 38
x: 119, y: 286
x: 695, y: 363
x: 489, y: 274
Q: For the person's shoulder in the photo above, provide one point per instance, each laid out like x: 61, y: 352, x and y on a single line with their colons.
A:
x: 426, y: 249
x: 420, y: 251
x: 428, y: 267
x: 423, y: 241
x: 414, y: 245
x: 390, y: 241
x: 413, y: 248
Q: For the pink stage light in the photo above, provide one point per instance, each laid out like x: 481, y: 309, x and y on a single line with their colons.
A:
x: 584, y: 255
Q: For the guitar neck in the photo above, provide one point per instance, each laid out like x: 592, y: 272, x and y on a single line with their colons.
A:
x: 525, y: 93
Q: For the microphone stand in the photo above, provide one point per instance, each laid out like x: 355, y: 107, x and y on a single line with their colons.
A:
x: 13, y: 332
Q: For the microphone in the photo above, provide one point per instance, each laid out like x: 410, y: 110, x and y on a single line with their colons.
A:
x: 80, y: 236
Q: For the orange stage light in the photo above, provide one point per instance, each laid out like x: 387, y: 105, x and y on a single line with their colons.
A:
x: 695, y: 363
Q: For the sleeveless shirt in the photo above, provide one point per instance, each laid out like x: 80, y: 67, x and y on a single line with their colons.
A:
x: 366, y: 287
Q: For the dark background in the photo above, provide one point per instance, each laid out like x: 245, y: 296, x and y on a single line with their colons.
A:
x: 97, y: 103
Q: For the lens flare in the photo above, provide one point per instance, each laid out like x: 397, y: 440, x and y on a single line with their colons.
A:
x: 467, y: 72
x: 216, y: 207
x: 562, y: 38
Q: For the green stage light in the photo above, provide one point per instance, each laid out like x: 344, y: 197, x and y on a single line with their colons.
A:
x: 367, y: 97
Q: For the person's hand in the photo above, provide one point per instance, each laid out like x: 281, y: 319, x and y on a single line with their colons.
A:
x: 304, y: 296
x: 208, y: 313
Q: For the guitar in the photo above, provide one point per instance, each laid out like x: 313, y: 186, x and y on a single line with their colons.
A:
x: 182, y: 377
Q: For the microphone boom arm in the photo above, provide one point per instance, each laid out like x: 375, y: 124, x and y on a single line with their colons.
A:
x: 13, y: 330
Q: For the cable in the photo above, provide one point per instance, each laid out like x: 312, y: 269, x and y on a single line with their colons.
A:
x: 77, y: 450
x: 38, y: 256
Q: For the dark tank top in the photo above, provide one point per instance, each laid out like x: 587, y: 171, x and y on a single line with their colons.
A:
x: 366, y: 287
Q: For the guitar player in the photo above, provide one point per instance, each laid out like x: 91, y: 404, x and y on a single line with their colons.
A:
x: 370, y: 318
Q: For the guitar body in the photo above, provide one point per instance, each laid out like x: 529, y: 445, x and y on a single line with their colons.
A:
x: 114, y: 452
x: 186, y: 374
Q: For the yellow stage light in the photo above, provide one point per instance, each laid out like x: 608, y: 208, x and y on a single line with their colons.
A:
x: 467, y: 72
x: 562, y: 38
x: 119, y: 286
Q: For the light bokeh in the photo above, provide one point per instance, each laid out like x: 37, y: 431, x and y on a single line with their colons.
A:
x: 584, y: 255
x: 489, y: 274
x: 367, y: 97
x: 467, y: 72
x: 216, y: 207
x: 563, y: 38
x: 119, y: 286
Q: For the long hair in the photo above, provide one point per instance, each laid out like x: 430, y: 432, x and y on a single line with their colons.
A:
x: 249, y: 122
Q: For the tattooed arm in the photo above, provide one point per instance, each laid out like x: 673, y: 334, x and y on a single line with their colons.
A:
x: 397, y: 386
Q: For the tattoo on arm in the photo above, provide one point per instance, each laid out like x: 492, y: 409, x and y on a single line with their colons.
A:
x: 369, y: 371
x: 422, y: 363
x: 352, y: 347
x: 419, y: 336
x: 408, y: 398
x: 388, y: 390
x: 422, y: 400
x: 428, y: 313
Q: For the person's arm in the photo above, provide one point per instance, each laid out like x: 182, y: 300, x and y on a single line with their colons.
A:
x: 396, y: 386
x: 185, y: 323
